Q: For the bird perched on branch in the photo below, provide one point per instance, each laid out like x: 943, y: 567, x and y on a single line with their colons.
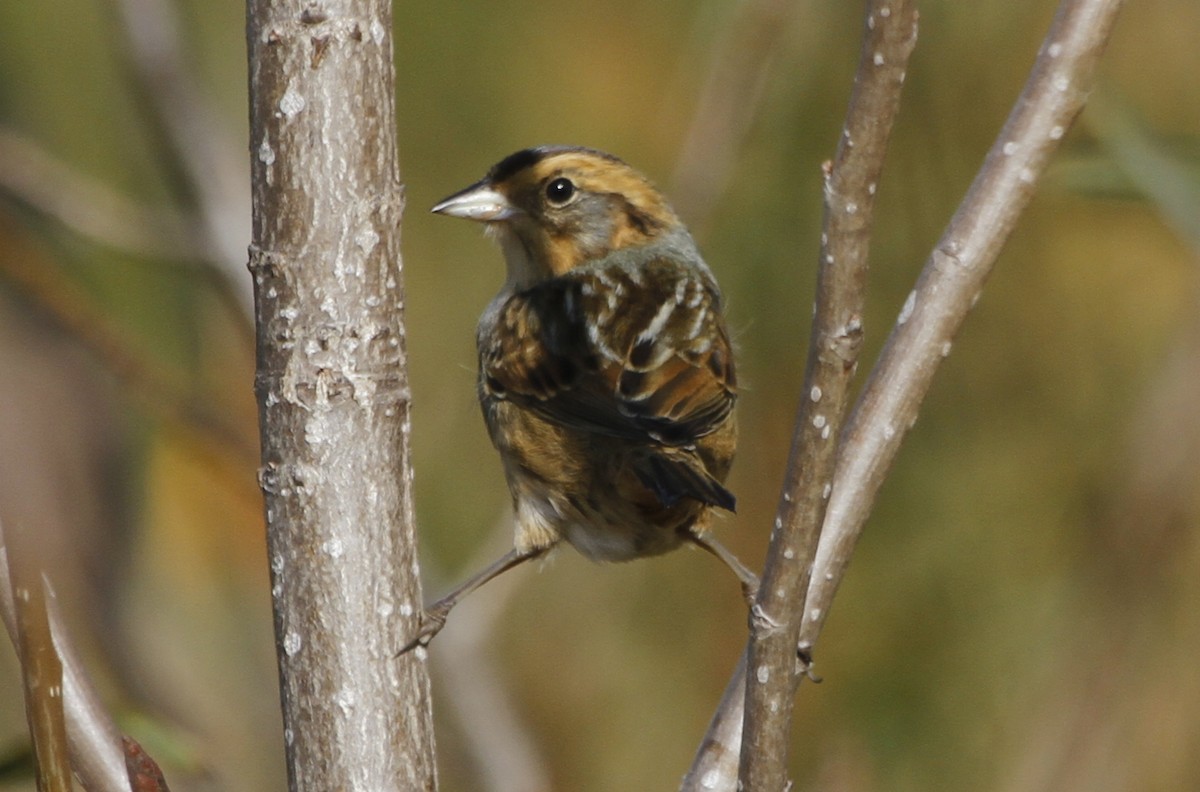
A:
x: 606, y: 374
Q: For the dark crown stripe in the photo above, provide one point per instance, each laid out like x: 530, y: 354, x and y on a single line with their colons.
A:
x: 525, y: 158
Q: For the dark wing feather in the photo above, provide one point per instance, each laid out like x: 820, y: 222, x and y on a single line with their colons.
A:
x: 640, y: 353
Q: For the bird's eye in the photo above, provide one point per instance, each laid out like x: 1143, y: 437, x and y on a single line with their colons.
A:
x: 560, y: 190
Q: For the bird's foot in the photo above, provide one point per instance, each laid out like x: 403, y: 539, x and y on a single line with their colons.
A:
x: 433, y: 619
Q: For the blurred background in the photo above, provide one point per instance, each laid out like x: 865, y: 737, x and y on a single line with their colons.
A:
x: 1024, y: 609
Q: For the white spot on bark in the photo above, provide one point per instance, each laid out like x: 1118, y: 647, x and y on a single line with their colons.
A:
x: 818, y: 421
x: 878, y: 59
x: 292, y: 643
x: 815, y: 394
x: 946, y: 348
x: 1009, y: 149
x: 378, y: 31
x: 814, y: 614
x: 1054, y: 50
x: 826, y: 490
x: 789, y: 554
x: 1026, y: 176
x: 346, y: 699
x: 910, y: 305
x: 889, y: 431
x: 291, y: 102
x: 316, y: 429
x: 366, y: 239
x: 266, y: 154
x: 333, y: 547
x: 1062, y: 82
x: 762, y: 674
x: 1056, y: 132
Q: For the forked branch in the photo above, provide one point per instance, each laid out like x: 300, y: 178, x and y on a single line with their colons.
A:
x: 948, y: 286
x: 851, y: 182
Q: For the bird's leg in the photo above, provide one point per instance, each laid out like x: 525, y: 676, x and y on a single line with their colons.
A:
x: 748, y: 579
x: 434, y: 617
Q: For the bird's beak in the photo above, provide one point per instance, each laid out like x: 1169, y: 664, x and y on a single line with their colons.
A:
x: 478, y: 202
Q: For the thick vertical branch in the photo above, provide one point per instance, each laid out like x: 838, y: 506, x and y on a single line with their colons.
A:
x: 333, y: 394
x: 774, y: 671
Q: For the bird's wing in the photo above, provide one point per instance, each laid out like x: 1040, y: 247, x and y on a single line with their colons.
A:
x: 640, y: 353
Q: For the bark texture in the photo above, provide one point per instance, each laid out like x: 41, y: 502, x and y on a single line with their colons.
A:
x: 333, y: 395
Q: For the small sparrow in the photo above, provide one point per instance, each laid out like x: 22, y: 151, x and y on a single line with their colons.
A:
x: 606, y: 375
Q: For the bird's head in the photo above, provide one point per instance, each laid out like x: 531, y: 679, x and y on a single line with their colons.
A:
x: 554, y: 208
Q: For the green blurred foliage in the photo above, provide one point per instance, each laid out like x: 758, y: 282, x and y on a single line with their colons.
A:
x: 1021, y: 613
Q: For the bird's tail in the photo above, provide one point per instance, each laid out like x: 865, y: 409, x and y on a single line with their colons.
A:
x: 675, y: 474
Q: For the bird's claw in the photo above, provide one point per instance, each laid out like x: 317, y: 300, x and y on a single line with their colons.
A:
x: 805, y: 660
x: 432, y: 622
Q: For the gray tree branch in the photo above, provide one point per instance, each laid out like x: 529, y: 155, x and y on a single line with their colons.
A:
x: 889, y: 36
x: 951, y: 282
x: 851, y: 181
x: 946, y: 289
x: 333, y: 393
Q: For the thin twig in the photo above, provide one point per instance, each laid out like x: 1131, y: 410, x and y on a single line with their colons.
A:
x: 505, y: 754
x: 850, y: 188
x: 716, y: 763
x: 947, y: 287
x: 727, y: 107
x: 889, y: 36
x: 87, y: 206
x: 93, y: 739
x: 951, y: 282
x: 204, y: 421
x: 206, y: 168
x: 42, y: 677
